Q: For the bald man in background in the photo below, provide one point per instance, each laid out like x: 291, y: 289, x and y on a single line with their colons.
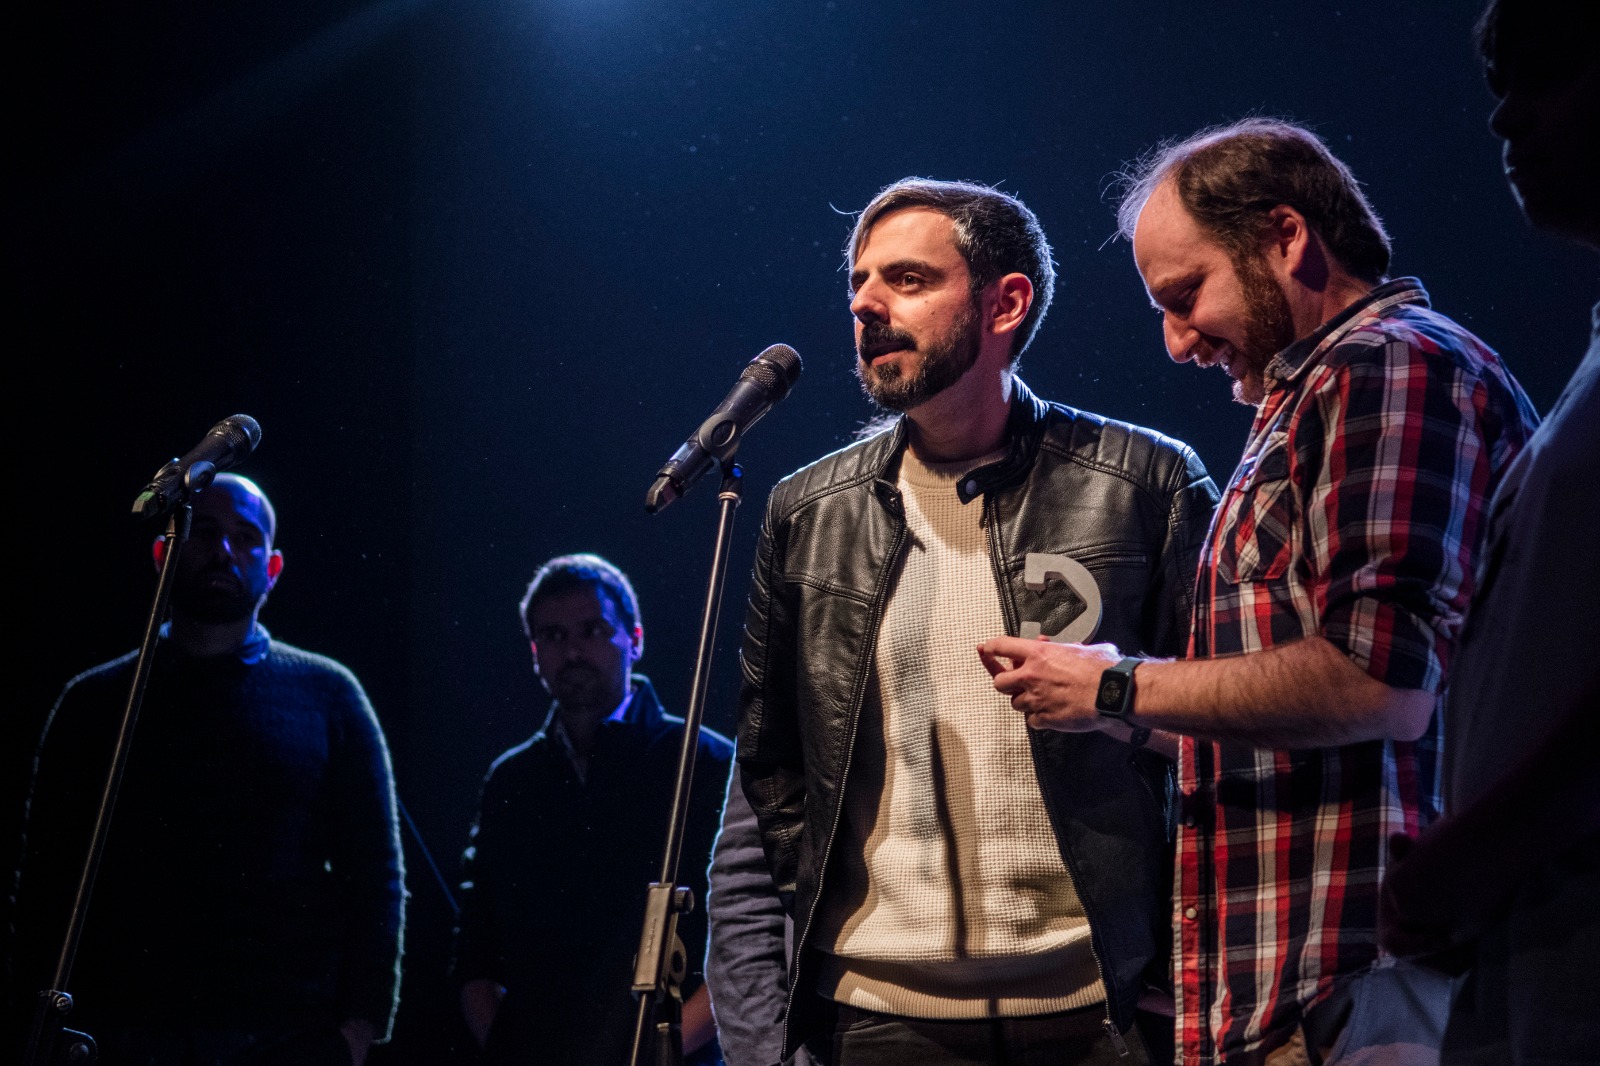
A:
x: 249, y: 905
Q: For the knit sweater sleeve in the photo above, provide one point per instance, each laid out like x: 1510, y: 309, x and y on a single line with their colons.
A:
x: 368, y: 859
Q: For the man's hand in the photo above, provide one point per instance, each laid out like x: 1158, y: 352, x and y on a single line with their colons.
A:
x: 697, y: 1025
x: 1053, y: 685
x: 359, y: 1034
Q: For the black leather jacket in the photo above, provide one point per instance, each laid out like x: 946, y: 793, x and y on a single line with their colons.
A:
x: 1128, y: 504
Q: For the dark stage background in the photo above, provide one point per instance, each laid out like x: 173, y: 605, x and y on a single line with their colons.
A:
x: 479, y: 267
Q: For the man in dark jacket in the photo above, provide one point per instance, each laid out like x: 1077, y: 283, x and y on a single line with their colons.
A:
x: 964, y: 888
x: 569, y: 834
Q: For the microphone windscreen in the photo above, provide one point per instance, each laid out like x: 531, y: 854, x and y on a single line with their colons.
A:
x: 777, y: 368
x: 243, y: 431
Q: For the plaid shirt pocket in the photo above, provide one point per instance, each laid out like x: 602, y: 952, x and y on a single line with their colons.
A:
x: 1261, y: 508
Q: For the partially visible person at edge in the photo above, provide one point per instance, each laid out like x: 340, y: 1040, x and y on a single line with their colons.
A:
x: 569, y: 834
x: 964, y: 889
x: 250, y: 900
x: 1505, y: 887
x: 1331, y: 596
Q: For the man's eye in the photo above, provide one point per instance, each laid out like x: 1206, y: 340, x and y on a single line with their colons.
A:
x: 1176, y: 305
x: 595, y: 630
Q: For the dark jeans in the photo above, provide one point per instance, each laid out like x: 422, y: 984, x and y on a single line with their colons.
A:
x: 1072, y: 1038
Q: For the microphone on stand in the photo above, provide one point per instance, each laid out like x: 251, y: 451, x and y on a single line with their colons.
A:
x: 766, y: 380
x: 225, y: 446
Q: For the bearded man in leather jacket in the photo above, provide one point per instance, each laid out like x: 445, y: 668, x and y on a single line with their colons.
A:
x: 979, y: 891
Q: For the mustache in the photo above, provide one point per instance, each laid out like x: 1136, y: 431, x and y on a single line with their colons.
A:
x: 883, y: 335
x: 211, y: 573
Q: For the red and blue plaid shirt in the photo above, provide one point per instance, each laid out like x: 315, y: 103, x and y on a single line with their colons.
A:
x: 1355, y: 514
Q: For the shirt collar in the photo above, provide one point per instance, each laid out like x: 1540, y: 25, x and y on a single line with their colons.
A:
x: 639, y: 708
x: 252, y: 651
x: 1293, y: 360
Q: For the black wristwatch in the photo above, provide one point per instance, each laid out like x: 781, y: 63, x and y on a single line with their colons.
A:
x: 1114, y: 698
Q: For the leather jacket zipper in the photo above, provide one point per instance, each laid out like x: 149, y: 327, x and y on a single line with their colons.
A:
x: 879, y: 601
x: 1108, y: 557
x: 991, y: 521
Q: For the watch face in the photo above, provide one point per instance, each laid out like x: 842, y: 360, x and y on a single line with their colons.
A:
x: 1111, y: 693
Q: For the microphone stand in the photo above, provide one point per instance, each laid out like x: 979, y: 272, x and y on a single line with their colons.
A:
x: 49, y: 1041
x: 661, y: 963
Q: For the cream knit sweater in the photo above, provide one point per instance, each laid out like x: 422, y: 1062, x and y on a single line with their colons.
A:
x: 948, y: 895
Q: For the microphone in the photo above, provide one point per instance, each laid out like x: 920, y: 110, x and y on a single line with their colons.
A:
x: 767, y: 379
x: 225, y: 446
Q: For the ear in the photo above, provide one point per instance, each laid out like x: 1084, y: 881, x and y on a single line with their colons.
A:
x: 274, y: 567
x: 1013, y: 295
x: 158, y: 550
x: 638, y: 641
x: 1288, y: 240
x: 533, y: 649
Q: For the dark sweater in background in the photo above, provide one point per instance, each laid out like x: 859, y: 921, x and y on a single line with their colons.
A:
x: 252, y: 877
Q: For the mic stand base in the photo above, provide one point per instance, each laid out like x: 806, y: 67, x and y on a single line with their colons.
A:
x: 52, y: 1043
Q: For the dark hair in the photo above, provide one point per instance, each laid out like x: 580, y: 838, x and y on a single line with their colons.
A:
x: 1229, y: 177
x: 572, y: 573
x: 995, y: 233
x: 1550, y: 39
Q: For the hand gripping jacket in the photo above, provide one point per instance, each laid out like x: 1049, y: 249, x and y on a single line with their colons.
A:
x: 1128, y: 504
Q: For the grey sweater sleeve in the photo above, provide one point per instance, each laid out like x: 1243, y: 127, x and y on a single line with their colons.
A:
x: 747, y: 958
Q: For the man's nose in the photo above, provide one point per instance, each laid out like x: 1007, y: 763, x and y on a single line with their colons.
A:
x: 212, y: 547
x: 1181, y: 339
x: 1509, y: 118
x: 867, y: 306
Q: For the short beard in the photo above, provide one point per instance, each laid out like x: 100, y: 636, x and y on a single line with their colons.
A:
x: 1268, y: 330
x: 944, y: 362
x: 576, y: 686
x: 199, y: 603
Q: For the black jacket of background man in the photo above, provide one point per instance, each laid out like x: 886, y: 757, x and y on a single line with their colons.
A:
x: 1129, y: 504
x: 556, y: 874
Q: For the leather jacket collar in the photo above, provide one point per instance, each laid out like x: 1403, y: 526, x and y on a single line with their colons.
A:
x: 1024, y: 428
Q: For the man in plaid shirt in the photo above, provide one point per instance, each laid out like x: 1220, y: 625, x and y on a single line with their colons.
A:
x: 1331, y: 593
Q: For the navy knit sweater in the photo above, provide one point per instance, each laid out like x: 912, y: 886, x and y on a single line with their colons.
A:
x: 252, y: 877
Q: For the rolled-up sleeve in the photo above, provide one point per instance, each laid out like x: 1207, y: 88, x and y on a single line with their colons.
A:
x: 1397, y: 473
